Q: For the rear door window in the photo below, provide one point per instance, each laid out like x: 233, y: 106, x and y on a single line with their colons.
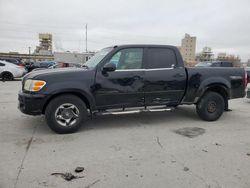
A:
x: 160, y: 58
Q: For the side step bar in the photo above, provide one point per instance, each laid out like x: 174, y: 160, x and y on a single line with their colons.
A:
x: 123, y: 111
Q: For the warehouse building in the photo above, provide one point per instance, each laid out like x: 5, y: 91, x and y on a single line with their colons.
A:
x: 72, y: 57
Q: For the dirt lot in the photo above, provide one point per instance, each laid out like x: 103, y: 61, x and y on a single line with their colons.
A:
x: 136, y: 150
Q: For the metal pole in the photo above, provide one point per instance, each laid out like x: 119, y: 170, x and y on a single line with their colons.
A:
x: 29, y: 54
x: 86, y: 35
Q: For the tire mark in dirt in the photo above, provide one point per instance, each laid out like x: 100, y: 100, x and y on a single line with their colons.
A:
x: 25, y: 154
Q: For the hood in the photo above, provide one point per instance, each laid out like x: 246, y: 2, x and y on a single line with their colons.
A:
x: 39, y: 74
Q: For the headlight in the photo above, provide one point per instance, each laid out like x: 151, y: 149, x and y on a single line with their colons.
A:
x: 34, y: 85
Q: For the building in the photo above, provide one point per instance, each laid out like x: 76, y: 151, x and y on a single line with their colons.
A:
x: 44, y: 52
x: 72, y: 57
x: 188, y: 49
x: 221, y: 56
x: 206, y: 55
x: 229, y: 58
x: 27, y: 57
x: 45, y: 44
x: 248, y: 63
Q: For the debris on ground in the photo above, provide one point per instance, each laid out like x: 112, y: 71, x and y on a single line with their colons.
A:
x: 158, y: 142
x: 217, y: 144
x: 90, y: 185
x: 79, y: 169
x: 204, y: 150
x: 67, y: 176
x: 186, y: 169
x: 190, y: 132
x: 248, y: 154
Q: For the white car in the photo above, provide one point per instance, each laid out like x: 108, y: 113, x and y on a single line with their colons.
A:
x: 9, y: 71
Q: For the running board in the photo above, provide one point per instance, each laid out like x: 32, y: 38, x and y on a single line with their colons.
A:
x: 134, y: 111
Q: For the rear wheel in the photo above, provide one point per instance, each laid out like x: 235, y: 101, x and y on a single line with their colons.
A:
x: 211, y: 106
x: 66, y: 114
x: 8, y: 76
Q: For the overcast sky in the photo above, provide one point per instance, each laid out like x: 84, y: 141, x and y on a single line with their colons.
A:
x: 223, y: 25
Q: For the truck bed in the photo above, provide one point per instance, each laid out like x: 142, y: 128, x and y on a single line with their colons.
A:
x: 200, y: 78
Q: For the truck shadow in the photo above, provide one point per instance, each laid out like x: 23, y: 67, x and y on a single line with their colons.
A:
x: 181, y: 114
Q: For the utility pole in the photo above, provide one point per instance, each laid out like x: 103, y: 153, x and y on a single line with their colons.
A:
x: 29, y: 54
x: 86, y: 36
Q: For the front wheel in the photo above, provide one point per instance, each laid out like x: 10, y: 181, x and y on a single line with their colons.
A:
x: 211, y: 106
x: 65, y: 114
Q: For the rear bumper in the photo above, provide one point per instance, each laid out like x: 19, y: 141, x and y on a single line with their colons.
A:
x: 31, y: 104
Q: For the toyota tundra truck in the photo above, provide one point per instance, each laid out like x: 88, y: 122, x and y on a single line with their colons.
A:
x: 125, y: 77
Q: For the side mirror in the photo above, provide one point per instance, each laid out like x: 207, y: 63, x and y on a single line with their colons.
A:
x: 109, y: 67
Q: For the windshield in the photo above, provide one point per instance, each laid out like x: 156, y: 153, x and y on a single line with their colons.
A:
x: 204, y: 64
x: 92, y: 62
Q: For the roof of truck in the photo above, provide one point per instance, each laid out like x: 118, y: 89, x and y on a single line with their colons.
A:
x: 145, y: 45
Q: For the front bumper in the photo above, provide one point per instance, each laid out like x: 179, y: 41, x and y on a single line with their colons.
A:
x: 31, y: 104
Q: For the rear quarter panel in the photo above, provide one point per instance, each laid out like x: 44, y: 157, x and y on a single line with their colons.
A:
x: 200, y: 79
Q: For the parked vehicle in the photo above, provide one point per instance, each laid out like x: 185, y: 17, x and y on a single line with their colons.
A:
x: 127, y: 76
x: 59, y: 65
x: 39, y: 65
x: 9, y: 71
x: 13, y: 61
x: 248, y: 78
x: 214, y: 64
x: 247, y: 69
x: 32, y: 65
x: 248, y: 91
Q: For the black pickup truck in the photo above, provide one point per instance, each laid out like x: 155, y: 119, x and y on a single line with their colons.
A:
x: 124, y: 77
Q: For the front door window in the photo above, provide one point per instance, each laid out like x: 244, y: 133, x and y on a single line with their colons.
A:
x: 130, y: 58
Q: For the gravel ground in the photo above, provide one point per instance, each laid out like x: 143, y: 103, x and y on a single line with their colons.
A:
x: 148, y: 149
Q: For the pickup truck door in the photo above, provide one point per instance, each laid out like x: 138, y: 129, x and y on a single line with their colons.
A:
x: 124, y: 86
x: 165, y: 81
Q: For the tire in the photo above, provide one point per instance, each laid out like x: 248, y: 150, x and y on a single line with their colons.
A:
x: 211, y: 106
x: 7, y: 76
x: 63, y: 108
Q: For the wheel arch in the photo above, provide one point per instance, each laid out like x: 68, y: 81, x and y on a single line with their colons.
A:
x: 89, y: 103
x: 6, y: 71
x: 221, y: 89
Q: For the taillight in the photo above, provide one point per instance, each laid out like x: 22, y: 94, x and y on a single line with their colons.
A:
x: 245, y: 80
